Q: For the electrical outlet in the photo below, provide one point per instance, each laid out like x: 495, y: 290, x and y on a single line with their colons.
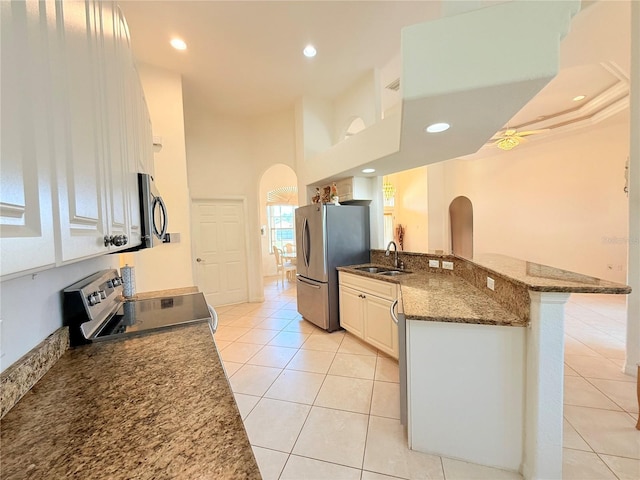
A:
x: 434, y: 263
x: 491, y: 283
x: 447, y: 265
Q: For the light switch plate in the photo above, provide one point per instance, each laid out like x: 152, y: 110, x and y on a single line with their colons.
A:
x: 491, y: 283
x: 434, y: 263
x: 447, y: 265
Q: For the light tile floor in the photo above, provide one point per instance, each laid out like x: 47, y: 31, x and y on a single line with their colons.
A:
x: 326, y: 406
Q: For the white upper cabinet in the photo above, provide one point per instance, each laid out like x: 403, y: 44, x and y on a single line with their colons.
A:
x: 82, y: 173
x: 75, y: 132
x: 130, y: 152
x: 28, y: 149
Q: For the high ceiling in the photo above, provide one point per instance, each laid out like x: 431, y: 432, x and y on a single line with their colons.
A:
x: 245, y: 58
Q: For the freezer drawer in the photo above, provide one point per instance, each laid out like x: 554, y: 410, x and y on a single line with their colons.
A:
x: 313, y: 301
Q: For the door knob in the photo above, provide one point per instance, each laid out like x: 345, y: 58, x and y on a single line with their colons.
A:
x: 198, y: 260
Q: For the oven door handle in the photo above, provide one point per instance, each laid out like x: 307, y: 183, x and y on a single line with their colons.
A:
x: 393, y: 313
x: 213, y: 324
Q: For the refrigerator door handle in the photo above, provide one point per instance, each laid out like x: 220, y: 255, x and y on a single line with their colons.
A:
x: 308, y: 284
x: 305, y: 242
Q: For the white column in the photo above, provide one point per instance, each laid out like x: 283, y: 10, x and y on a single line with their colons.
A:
x: 544, y: 387
x: 633, y: 268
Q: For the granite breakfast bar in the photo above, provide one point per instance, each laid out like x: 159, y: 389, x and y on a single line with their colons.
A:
x: 484, y: 368
x: 157, y: 406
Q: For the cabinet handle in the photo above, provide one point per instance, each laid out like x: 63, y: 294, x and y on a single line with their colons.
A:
x: 115, y: 240
x: 393, y: 314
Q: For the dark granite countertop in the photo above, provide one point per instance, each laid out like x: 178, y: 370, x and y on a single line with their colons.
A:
x: 543, y: 278
x: 443, y: 297
x: 157, y: 406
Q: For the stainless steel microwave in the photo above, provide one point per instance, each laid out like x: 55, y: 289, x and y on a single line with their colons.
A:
x: 153, y: 214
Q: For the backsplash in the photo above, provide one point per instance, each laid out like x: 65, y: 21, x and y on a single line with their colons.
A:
x: 512, y: 296
x: 413, y: 261
x: 18, y: 379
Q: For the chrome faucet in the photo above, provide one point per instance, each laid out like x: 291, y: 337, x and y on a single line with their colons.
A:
x: 395, y: 251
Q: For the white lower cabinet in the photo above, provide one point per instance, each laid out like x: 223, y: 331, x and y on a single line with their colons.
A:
x: 466, y: 387
x: 365, y: 311
x: 352, y: 311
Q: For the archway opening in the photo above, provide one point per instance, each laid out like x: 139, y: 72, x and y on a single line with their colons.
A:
x: 461, y: 219
x: 356, y: 125
x: 278, y: 201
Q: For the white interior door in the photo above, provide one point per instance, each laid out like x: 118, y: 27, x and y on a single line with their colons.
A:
x: 220, y: 250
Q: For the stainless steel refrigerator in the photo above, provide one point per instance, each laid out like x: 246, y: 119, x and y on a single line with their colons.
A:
x: 327, y: 236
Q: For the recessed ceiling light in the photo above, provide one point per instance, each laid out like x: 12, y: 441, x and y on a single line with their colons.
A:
x: 437, y: 127
x: 178, y: 44
x: 309, y: 51
x: 368, y: 170
x: 579, y: 97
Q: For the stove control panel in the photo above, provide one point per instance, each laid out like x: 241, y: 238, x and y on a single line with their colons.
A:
x: 91, y: 301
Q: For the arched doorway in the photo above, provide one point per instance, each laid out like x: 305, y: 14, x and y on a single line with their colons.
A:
x: 278, y: 199
x: 461, y: 219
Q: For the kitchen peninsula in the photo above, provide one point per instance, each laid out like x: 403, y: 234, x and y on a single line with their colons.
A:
x: 481, y: 356
x: 154, y: 406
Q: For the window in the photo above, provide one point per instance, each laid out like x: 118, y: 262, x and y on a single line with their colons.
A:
x: 281, y: 225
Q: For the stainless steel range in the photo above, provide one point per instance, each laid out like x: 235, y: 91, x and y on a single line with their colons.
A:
x: 94, y: 310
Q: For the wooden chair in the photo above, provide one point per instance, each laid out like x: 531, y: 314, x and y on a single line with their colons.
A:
x: 283, y: 268
x: 289, y: 253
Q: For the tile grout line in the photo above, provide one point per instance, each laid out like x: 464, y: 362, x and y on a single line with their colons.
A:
x: 593, y: 450
x: 605, y: 394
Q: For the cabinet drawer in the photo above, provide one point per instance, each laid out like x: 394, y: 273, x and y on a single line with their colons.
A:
x: 379, y: 288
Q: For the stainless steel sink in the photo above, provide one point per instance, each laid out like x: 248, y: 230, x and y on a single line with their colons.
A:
x: 392, y: 273
x: 372, y: 269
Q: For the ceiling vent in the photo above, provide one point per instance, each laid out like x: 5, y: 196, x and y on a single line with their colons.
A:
x: 395, y: 85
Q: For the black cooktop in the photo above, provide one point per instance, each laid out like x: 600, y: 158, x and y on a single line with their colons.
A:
x: 157, y: 313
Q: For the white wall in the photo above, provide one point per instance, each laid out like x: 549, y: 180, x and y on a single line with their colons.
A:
x: 275, y: 177
x: 317, y: 126
x: 559, y: 202
x: 411, y: 207
x: 324, y: 152
x: 169, y: 265
x: 227, y: 158
x: 387, y: 74
x: 359, y: 100
x: 31, y: 306
x: 633, y: 259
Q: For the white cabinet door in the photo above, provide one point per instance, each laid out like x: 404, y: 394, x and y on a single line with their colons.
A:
x: 129, y: 129
x: 97, y: 182
x: 351, y: 311
x: 70, y: 140
x: 28, y: 149
x: 380, y: 331
x: 81, y: 174
x: 365, y: 311
x: 112, y: 106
